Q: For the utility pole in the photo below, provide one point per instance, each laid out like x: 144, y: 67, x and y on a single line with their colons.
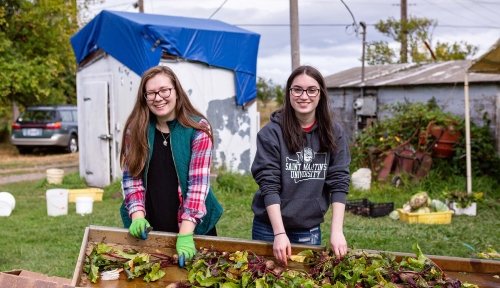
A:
x: 363, y: 26
x: 404, y: 32
x: 140, y: 4
x: 294, y: 33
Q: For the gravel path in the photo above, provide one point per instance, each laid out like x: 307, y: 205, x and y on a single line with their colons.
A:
x: 33, y: 176
x: 18, y: 168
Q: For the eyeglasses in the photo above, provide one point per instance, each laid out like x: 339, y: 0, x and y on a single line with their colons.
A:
x: 298, y: 91
x: 163, y: 93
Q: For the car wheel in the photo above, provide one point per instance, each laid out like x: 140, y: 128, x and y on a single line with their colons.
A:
x: 72, y: 145
x: 24, y: 150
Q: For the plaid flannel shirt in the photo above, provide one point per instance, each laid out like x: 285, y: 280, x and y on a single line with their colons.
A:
x: 193, y: 207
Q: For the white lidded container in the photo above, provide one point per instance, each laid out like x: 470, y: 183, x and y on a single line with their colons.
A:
x: 57, y: 202
x: 7, y: 204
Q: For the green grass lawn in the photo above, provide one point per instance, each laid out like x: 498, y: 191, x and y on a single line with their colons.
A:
x: 31, y: 240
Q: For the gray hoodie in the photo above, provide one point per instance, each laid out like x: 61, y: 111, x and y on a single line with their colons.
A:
x: 304, y: 183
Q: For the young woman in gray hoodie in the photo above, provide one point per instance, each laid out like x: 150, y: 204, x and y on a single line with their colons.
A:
x: 302, y: 167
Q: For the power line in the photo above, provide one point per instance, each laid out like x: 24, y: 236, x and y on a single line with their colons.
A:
x: 444, y: 8
x: 344, y: 25
x: 288, y: 25
x: 487, y: 2
x: 484, y: 2
x: 354, y: 22
x: 482, y: 5
x: 481, y: 16
x: 469, y: 26
x: 217, y: 10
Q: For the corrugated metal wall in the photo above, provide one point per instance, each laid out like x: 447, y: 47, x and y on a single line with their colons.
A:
x: 484, y: 98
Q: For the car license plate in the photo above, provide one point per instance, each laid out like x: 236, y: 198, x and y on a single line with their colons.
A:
x: 32, y: 132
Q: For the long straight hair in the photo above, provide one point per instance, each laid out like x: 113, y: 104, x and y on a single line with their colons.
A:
x: 292, y: 131
x: 134, y: 151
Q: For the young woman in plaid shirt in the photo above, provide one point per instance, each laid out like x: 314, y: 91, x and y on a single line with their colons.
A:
x: 165, y: 158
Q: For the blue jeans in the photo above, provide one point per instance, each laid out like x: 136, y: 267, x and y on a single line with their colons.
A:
x: 263, y: 231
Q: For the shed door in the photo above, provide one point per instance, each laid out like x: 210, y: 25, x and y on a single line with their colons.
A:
x: 97, y: 139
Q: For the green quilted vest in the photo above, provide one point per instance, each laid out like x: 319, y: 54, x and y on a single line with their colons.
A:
x: 180, y: 141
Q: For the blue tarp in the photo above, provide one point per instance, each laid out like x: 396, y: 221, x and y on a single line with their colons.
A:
x: 138, y: 40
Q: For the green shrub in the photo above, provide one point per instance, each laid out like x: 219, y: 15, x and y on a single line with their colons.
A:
x: 409, y: 121
x: 235, y: 182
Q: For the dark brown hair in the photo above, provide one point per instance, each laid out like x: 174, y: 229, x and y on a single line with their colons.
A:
x: 292, y: 132
x: 134, y: 149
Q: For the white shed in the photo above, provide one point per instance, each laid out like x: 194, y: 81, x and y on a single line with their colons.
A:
x: 215, y: 62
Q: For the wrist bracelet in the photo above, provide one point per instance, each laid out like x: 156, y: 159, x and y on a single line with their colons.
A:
x: 279, y: 234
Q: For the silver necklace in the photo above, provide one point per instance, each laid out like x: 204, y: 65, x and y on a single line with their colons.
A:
x: 165, y: 143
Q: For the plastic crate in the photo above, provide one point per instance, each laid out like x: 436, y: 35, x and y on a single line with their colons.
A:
x: 364, y: 207
x: 95, y: 193
x: 358, y: 207
x: 426, y: 218
x: 381, y: 209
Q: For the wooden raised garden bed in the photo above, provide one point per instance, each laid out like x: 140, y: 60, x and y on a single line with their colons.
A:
x: 476, y: 271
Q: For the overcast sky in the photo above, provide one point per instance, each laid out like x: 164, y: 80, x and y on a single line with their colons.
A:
x: 328, y: 40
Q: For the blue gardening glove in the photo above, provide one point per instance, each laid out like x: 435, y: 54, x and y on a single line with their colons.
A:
x: 185, y: 246
x: 139, y: 228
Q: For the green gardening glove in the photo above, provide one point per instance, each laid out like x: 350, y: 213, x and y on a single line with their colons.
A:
x: 139, y: 228
x: 185, y: 246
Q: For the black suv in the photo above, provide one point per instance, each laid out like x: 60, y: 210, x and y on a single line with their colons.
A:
x: 46, y: 126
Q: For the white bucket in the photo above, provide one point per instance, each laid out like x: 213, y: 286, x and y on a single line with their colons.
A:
x: 7, y: 203
x: 55, y: 176
x: 5, y: 209
x: 9, y: 198
x: 84, y: 205
x: 57, y: 202
x: 362, y: 178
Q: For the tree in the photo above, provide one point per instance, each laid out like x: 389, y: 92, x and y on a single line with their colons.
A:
x: 37, y: 65
x: 419, y: 39
x: 455, y: 51
x: 36, y: 61
x: 267, y: 91
x: 280, y: 94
